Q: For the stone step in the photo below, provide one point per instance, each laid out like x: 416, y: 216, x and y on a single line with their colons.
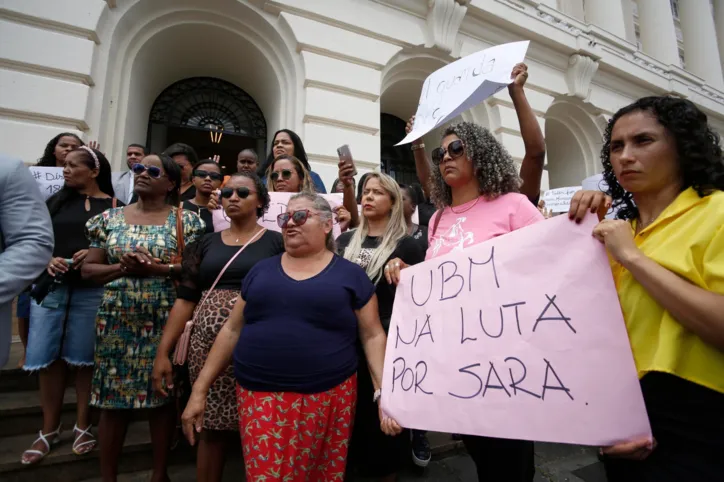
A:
x: 62, y: 465
x: 442, y: 447
x: 20, y: 412
x: 16, y: 379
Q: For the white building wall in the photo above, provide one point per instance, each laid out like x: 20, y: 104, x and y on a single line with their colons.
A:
x: 328, y: 69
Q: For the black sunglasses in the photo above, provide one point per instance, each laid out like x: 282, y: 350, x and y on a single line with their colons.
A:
x: 286, y: 175
x: 455, y: 149
x: 153, y: 171
x: 243, y: 192
x: 215, y: 176
x: 299, y: 217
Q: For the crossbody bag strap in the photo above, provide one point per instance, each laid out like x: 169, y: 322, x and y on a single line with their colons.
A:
x: 180, y: 244
x: 223, y: 270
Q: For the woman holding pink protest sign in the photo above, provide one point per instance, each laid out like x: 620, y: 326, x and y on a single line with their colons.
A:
x: 381, y: 236
x: 292, y: 336
x: 663, y: 165
x: 212, y: 273
x: 477, y: 188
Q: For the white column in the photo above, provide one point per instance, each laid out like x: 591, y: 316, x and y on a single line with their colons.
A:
x: 701, y: 51
x: 658, y: 35
x: 607, y: 14
x: 719, y: 25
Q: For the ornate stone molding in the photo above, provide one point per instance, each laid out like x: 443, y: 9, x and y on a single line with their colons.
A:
x: 579, y: 75
x: 559, y: 23
x: 443, y: 22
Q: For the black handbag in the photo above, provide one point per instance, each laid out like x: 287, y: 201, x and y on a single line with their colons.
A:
x: 44, y: 285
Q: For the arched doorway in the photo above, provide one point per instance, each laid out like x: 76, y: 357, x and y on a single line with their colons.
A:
x: 215, y: 117
x: 399, y: 161
x: 573, y: 142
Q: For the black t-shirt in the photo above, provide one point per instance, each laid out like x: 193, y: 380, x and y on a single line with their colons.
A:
x: 425, y: 212
x: 69, y: 230
x: 420, y: 236
x: 203, y: 213
x: 408, y: 250
x: 204, y: 259
x: 189, y: 194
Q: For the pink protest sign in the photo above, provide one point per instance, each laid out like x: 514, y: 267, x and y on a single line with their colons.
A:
x: 278, y: 205
x: 519, y: 337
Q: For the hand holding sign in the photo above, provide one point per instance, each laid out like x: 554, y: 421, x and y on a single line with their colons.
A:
x: 518, y: 337
x: 465, y: 83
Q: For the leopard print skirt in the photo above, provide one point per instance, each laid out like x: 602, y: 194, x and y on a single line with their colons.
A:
x: 221, y: 409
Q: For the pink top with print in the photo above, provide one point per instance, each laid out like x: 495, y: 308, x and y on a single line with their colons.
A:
x: 479, y: 220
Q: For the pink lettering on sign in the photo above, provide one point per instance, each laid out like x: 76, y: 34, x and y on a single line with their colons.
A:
x: 519, y: 337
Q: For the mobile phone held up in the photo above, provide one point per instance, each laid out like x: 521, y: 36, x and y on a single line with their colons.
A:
x: 345, y: 156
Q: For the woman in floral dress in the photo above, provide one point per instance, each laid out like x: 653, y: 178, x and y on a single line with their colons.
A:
x: 131, y: 252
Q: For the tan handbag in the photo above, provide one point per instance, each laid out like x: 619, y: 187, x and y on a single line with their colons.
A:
x: 182, y: 347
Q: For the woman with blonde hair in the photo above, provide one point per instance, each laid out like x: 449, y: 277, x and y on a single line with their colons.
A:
x: 288, y: 174
x: 381, y: 236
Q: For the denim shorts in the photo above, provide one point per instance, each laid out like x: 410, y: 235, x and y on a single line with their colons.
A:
x: 23, y: 307
x: 48, y: 321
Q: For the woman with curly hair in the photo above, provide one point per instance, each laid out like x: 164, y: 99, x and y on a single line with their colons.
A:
x: 663, y: 165
x: 476, y: 188
x: 244, y: 200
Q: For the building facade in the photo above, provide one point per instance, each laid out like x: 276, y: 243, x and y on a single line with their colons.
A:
x: 226, y: 74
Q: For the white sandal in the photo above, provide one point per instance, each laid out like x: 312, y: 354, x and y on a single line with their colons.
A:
x: 77, y: 446
x: 43, y: 438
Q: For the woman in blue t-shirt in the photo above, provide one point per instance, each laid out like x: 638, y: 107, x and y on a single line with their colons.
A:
x: 288, y: 143
x: 302, y: 314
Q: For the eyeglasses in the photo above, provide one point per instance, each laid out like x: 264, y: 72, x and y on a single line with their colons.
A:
x: 299, y: 217
x: 154, y: 172
x: 286, y: 175
x: 243, y: 192
x: 455, y: 149
x: 215, y: 176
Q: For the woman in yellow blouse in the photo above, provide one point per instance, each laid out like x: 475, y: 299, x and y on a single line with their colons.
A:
x: 663, y: 165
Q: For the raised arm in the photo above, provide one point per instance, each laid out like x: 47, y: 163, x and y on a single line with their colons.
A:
x: 422, y: 162
x: 346, y: 173
x: 531, y: 170
x: 219, y: 358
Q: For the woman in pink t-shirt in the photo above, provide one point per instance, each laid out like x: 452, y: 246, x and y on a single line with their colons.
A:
x: 476, y: 186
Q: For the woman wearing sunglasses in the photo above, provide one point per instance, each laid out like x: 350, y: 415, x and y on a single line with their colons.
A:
x: 130, y: 253
x: 288, y: 143
x: 62, y: 325
x: 244, y: 199
x: 382, y: 236
x: 288, y: 174
x: 476, y: 185
x: 207, y: 178
x: 302, y: 314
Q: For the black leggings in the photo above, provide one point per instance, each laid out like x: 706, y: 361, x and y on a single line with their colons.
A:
x: 501, y: 460
x: 687, y: 421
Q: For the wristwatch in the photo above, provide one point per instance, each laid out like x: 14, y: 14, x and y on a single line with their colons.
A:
x: 418, y: 146
x: 377, y: 395
x: 171, y: 271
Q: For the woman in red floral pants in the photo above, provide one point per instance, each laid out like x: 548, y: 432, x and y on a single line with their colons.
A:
x: 302, y: 315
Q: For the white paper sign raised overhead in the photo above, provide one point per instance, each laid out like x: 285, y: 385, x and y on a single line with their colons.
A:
x: 465, y: 83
